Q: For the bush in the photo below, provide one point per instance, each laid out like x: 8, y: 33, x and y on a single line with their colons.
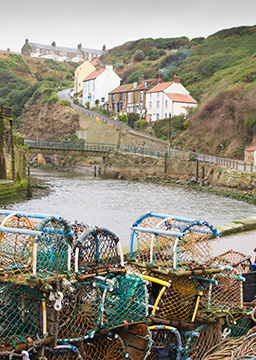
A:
x: 53, y: 99
x: 132, y: 118
x: 123, y: 118
x: 65, y: 103
x: 139, y: 55
x: 141, y: 124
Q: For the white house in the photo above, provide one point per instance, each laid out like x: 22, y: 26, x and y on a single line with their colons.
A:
x: 98, y: 84
x: 168, y: 98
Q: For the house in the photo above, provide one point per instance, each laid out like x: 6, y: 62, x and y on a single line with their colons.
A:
x: 130, y: 97
x: 97, y: 85
x: 168, y: 98
x: 81, y: 72
x: 250, y: 155
x: 59, y: 53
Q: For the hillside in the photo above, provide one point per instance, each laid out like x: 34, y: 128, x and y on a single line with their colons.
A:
x: 219, y: 71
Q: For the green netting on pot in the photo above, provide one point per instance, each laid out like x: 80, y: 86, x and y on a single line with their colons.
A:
x: 98, y: 247
x: 54, y: 247
x: 124, y: 300
x: 80, y: 313
x: 241, y: 326
x: 21, y: 307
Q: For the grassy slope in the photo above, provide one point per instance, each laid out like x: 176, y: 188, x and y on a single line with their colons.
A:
x: 219, y: 72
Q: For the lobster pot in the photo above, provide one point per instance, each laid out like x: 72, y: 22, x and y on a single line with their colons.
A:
x: 16, y: 248
x: 124, y: 300
x: 98, y: 247
x: 63, y: 352
x: 228, y: 293
x: 79, y: 316
x: 237, y: 260
x: 77, y: 229
x: 20, y: 313
x: 54, y: 247
x: 195, y: 247
x: 197, y: 342
x: 151, y: 247
x: 179, y: 301
x: 106, y: 347
x: 166, y: 343
x: 248, y: 347
x: 241, y: 326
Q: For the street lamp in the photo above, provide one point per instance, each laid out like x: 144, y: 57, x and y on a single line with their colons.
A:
x: 222, y: 126
x: 170, y: 133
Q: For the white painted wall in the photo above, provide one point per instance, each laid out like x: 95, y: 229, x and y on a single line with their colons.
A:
x: 101, y: 86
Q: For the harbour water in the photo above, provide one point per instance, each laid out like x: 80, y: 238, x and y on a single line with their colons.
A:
x: 116, y: 204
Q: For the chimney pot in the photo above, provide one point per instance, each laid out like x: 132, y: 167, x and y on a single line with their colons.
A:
x: 176, y: 79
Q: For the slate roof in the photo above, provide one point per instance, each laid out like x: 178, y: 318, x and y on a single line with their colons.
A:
x: 65, y: 49
x: 122, y: 88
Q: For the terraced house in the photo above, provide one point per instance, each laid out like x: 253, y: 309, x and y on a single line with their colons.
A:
x: 60, y: 53
x: 130, y: 98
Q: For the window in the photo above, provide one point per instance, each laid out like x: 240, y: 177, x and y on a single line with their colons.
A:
x: 165, y: 115
x: 150, y: 95
x: 129, y: 97
x: 141, y: 96
x: 157, y: 104
x: 102, y: 99
x: 157, y: 116
x: 158, y: 94
x: 113, y: 106
x: 121, y: 97
x: 166, y: 103
x: 150, y: 117
x: 145, y: 84
x: 121, y: 106
x: 113, y: 97
x: 93, y: 85
x: 150, y: 105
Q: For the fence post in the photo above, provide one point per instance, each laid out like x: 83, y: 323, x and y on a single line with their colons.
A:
x: 244, y: 166
x: 251, y: 167
x: 197, y: 164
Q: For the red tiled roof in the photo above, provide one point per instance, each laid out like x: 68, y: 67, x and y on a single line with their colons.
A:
x: 160, y: 87
x: 182, y: 98
x: 253, y: 148
x: 94, y: 75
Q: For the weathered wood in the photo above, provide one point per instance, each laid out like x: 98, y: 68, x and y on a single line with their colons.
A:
x: 176, y: 323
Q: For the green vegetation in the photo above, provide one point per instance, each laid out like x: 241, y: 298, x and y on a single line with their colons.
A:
x: 26, y: 79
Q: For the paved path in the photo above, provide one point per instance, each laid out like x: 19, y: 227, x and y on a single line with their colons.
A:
x: 244, y: 242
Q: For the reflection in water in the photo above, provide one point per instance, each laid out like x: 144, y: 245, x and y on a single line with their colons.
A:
x: 116, y: 204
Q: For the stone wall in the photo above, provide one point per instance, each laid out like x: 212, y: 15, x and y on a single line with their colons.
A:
x: 100, y: 132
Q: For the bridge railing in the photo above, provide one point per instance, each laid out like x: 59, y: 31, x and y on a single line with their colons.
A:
x: 104, y: 147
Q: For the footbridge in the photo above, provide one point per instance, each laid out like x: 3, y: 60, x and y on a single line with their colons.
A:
x: 90, y: 149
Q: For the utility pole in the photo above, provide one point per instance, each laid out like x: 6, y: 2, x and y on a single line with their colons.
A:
x: 170, y: 133
x: 222, y: 127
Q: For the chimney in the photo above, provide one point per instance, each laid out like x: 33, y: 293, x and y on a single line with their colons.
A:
x: 121, y: 81
x: 159, y: 77
x: 79, y: 46
x: 176, y: 79
x: 53, y: 43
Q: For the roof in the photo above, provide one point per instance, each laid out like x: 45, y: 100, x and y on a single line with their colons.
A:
x: 94, y: 74
x: 122, y: 88
x: 182, y: 98
x: 65, y: 49
x: 161, y: 86
x: 253, y: 148
x: 55, y: 48
x: 142, y: 84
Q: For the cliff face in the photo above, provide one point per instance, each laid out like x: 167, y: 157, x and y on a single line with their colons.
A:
x: 45, y: 121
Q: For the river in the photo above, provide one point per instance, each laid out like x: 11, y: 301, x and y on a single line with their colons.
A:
x: 116, y: 204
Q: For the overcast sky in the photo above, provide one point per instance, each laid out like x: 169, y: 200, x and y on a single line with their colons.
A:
x: 114, y: 22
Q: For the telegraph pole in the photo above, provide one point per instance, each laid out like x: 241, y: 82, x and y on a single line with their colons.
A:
x: 170, y: 133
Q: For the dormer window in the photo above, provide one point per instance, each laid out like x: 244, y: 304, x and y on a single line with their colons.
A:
x: 145, y: 84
